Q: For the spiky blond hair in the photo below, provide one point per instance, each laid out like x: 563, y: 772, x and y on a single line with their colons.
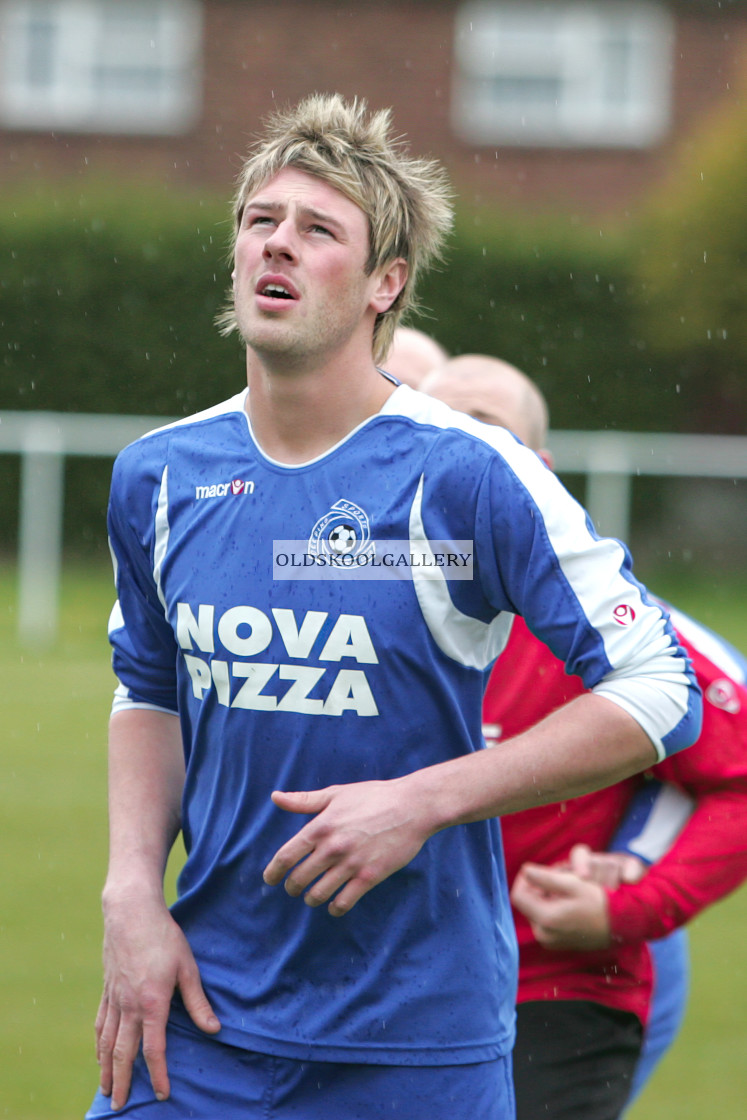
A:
x: 407, y: 200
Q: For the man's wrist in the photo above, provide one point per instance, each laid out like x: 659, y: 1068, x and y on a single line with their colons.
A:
x: 434, y: 795
x: 132, y: 890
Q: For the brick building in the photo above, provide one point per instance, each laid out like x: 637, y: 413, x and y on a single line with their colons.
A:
x: 576, y: 105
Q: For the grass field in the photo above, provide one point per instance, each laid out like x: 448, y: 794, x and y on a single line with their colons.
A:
x: 55, y: 708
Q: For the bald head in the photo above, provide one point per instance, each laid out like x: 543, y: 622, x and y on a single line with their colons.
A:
x: 413, y: 354
x: 494, y: 392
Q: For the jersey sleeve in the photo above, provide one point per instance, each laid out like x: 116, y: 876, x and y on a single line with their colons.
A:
x: 708, y: 859
x: 143, y: 644
x: 578, y: 594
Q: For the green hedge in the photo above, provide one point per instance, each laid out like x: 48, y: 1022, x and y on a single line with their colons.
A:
x: 692, y: 281
x: 107, y: 305
x: 556, y: 301
x: 108, y: 300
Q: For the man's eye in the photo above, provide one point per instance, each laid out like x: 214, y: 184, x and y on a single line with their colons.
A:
x: 249, y: 221
x: 320, y: 229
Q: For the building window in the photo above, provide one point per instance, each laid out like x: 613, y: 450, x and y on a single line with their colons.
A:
x: 562, y: 74
x: 122, y: 66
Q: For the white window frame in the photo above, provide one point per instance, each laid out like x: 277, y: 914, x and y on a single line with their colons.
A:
x: 98, y: 81
x: 565, y: 48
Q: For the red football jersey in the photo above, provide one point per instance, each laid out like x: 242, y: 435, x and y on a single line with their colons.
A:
x: 708, y: 859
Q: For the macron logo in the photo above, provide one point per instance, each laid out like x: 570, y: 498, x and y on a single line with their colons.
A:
x: 221, y: 489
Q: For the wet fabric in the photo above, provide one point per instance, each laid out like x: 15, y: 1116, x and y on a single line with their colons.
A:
x: 212, y: 1081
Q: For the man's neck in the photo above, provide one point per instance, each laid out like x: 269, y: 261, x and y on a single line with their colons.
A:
x: 297, y: 414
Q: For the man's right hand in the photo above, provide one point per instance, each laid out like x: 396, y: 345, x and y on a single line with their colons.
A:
x: 146, y: 958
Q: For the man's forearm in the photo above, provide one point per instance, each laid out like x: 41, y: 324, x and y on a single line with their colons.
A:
x: 146, y: 955
x: 146, y: 778
x: 585, y: 745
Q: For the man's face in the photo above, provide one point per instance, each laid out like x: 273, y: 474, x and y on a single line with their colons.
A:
x: 300, y: 286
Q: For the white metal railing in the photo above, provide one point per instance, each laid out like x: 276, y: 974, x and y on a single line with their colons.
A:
x: 43, y: 440
x: 610, y: 460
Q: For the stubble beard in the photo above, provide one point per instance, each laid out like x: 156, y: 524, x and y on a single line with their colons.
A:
x: 294, y: 345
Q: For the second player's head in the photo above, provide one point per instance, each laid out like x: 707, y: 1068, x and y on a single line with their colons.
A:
x: 413, y: 355
x: 495, y: 392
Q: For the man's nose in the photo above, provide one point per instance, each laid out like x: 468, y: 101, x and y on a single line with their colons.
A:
x: 281, y: 242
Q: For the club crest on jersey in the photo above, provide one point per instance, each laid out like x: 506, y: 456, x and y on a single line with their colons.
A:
x: 343, y: 531
x: 723, y: 694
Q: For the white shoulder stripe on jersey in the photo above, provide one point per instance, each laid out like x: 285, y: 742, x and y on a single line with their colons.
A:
x: 467, y: 640
x: 161, y: 541
x: 423, y: 409
x: 671, y: 812
x: 652, y: 687
x: 565, y: 524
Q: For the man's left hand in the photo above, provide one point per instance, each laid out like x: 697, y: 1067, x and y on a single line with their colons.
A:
x: 360, y: 834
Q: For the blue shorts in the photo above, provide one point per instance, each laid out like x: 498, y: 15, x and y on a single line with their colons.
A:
x: 671, y: 961
x: 212, y: 1081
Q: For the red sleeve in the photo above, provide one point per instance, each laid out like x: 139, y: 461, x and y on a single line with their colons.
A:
x: 709, y: 858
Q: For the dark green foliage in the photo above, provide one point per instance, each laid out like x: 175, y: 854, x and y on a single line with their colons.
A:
x: 693, y: 284
x: 107, y: 302
x: 555, y: 301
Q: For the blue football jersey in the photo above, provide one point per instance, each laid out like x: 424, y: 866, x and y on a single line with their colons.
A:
x: 300, y: 683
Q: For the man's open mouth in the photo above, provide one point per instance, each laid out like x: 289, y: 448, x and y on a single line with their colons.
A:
x: 276, y: 291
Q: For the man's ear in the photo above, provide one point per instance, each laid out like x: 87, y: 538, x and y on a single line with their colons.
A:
x: 391, y: 281
x: 547, y: 458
